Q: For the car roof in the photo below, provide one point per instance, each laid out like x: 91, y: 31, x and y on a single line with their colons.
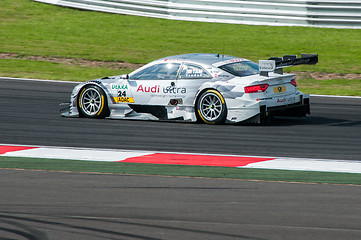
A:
x: 203, y: 58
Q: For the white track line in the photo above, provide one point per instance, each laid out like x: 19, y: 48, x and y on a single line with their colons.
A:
x: 307, y: 164
x: 105, y: 155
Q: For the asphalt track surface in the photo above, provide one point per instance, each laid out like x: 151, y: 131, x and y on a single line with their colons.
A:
x: 57, y: 205
x: 30, y: 115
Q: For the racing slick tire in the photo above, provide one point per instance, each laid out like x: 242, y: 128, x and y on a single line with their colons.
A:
x: 92, y: 102
x: 211, y: 107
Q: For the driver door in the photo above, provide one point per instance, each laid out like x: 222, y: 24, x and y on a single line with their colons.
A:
x: 153, y: 85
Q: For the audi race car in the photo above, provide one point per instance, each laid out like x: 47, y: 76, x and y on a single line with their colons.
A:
x: 209, y: 88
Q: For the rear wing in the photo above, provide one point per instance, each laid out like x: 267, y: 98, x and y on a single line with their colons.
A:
x: 276, y: 64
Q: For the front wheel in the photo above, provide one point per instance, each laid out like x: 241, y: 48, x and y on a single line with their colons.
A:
x: 92, y: 102
x: 211, y: 107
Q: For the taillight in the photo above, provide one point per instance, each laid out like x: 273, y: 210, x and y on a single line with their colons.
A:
x: 294, y: 83
x: 256, y: 88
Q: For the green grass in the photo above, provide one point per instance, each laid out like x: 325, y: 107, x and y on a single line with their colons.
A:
x: 340, y: 87
x: 48, y: 70
x: 179, y: 170
x: 30, y: 28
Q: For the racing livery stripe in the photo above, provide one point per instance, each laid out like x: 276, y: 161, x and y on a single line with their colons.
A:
x: 196, y: 160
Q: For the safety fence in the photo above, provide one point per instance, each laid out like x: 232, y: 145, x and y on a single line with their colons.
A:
x: 316, y: 13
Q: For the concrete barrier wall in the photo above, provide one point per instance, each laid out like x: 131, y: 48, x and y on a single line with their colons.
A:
x: 321, y: 13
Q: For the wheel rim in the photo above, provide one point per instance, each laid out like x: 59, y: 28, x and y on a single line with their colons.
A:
x: 91, y: 101
x: 211, y: 107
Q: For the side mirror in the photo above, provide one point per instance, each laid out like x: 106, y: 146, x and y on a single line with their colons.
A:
x: 125, y: 76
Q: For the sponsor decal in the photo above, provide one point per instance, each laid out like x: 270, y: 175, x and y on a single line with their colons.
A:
x: 288, y: 100
x: 154, y: 89
x: 262, y: 99
x: 174, y: 90
x: 283, y: 100
x: 157, y: 89
x: 267, y: 65
x: 123, y: 100
x: 119, y: 87
x: 175, y: 60
x: 236, y: 60
x: 223, y: 75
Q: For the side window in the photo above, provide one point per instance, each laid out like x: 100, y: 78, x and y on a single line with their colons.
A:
x: 190, y: 71
x: 167, y: 71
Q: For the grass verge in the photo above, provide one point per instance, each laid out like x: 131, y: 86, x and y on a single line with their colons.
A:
x: 53, y: 71
x: 179, y: 170
x: 340, y: 87
x: 29, y: 28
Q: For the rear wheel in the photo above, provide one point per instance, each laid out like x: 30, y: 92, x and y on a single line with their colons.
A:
x: 92, y: 102
x: 211, y: 107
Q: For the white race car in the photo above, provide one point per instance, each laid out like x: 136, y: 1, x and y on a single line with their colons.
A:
x: 209, y: 88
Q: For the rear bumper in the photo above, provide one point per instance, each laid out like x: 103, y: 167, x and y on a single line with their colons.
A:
x: 262, y: 110
x: 298, y: 109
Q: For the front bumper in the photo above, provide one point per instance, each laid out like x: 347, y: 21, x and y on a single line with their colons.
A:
x: 67, y: 110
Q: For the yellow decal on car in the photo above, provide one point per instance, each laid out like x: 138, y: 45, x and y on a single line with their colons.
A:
x: 279, y: 89
x: 123, y: 100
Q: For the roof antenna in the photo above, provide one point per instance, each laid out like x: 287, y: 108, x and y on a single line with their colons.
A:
x: 223, y: 51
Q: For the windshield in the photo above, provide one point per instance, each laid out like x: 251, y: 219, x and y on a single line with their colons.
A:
x: 241, y: 69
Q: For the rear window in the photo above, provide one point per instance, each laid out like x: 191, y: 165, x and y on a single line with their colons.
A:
x: 241, y: 69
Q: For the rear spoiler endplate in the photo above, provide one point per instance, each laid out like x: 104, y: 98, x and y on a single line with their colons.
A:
x: 276, y: 64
